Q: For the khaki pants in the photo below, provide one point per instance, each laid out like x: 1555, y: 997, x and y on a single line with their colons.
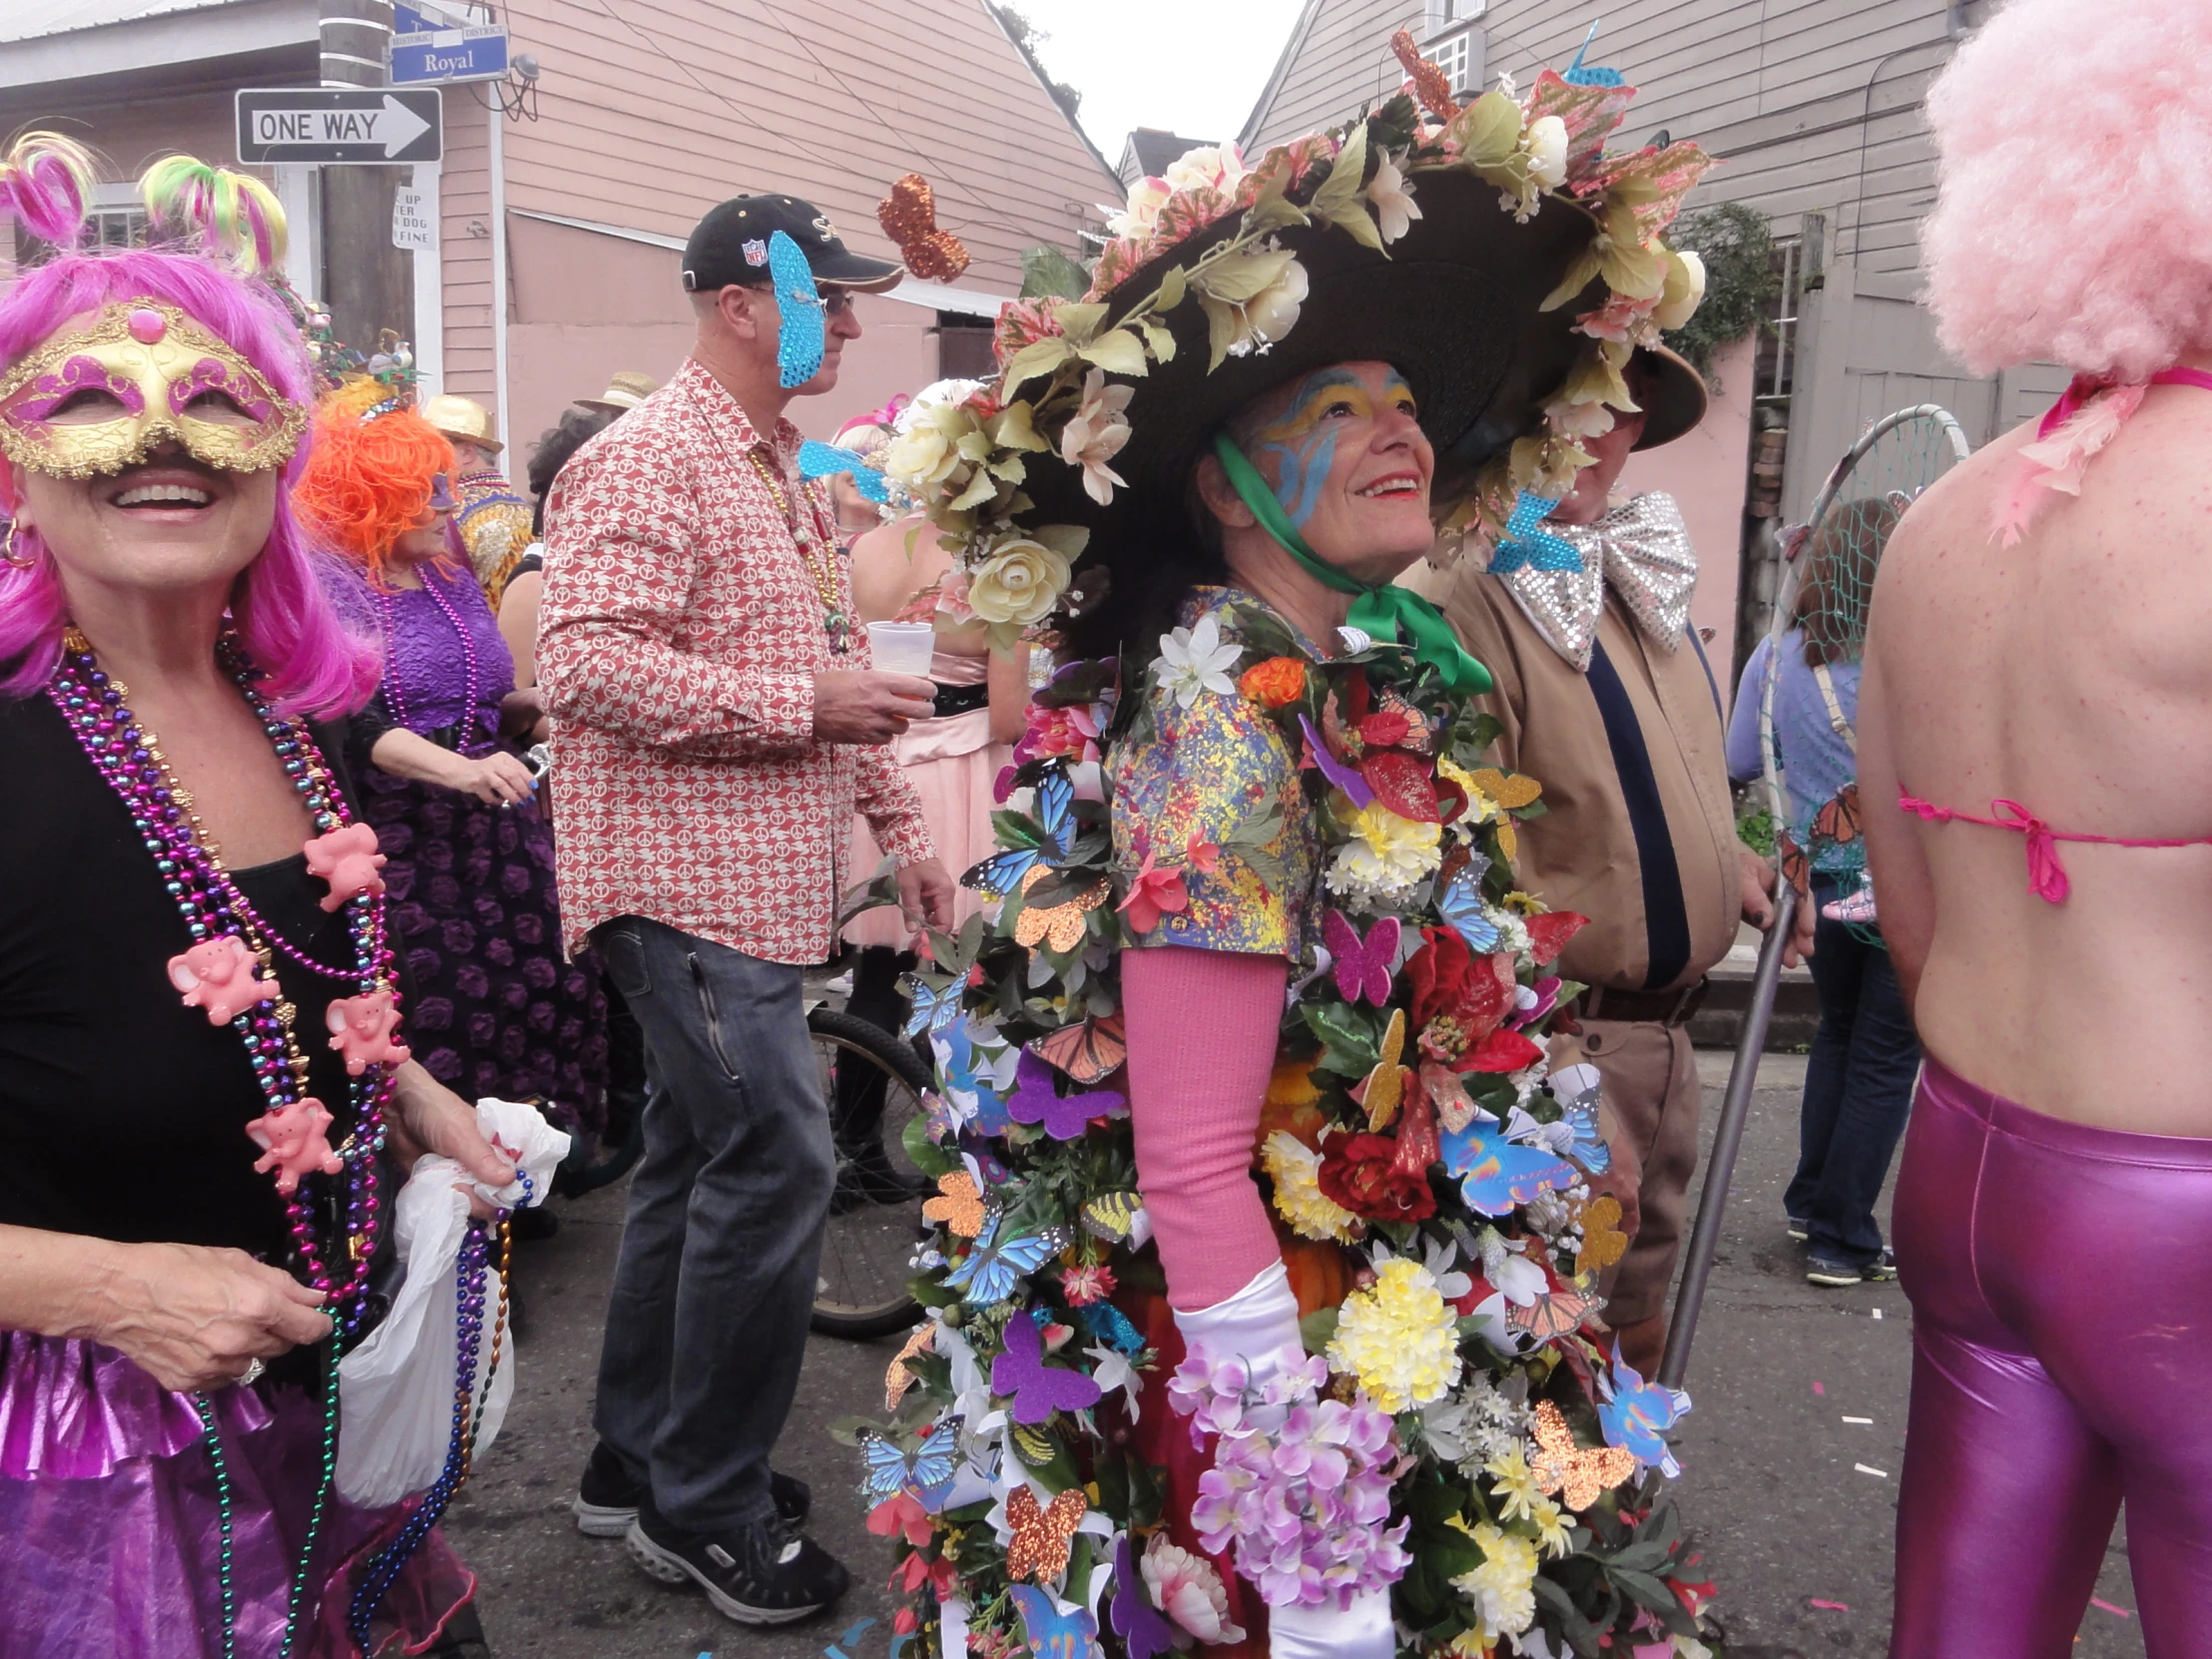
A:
x: 1651, y: 1088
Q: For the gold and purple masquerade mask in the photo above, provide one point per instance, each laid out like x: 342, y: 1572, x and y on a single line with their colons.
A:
x: 143, y: 373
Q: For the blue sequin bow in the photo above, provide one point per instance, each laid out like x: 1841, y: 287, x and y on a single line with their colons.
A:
x: 1526, y: 542
x: 805, y: 331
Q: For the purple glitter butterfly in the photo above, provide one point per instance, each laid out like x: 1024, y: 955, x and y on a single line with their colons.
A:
x: 1143, y: 1628
x: 1363, y: 968
x: 1354, y: 786
x: 1036, y: 1388
x: 1036, y: 1100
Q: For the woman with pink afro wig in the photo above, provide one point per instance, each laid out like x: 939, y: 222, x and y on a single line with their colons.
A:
x: 2034, y: 751
x: 205, y: 1096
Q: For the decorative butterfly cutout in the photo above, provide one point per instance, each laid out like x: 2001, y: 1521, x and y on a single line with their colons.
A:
x: 926, y: 1473
x: 1603, y: 1243
x: 1033, y: 1445
x: 1036, y: 1388
x: 1363, y: 967
x: 1111, y: 1326
x: 1382, y: 1090
x: 1563, y: 1467
x: 1145, y: 1631
x: 1002, y: 873
x: 960, y: 1206
x: 896, y: 1377
x: 995, y: 1267
x: 1578, y: 1090
x: 821, y: 460
x: 1057, y: 926
x: 1510, y: 789
x: 805, y: 331
x: 1112, y: 1215
x: 909, y: 218
x: 1036, y: 1099
x: 1089, y: 1051
x: 1042, y: 1534
x: 1496, y: 1175
x: 956, y: 1065
x: 1554, y: 1315
x: 1050, y: 1633
x: 1636, y: 1415
x: 1459, y: 903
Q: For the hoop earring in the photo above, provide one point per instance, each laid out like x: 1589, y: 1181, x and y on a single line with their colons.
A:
x: 7, y: 551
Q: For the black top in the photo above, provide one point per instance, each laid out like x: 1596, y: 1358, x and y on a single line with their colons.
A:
x: 122, y: 1112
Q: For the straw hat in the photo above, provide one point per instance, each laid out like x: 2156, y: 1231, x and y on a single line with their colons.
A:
x: 626, y: 389
x: 462, y: 419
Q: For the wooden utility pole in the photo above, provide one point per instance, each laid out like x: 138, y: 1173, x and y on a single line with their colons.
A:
x: 366, y: 283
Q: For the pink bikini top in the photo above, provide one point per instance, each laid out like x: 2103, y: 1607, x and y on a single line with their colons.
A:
x: 2046, y: 877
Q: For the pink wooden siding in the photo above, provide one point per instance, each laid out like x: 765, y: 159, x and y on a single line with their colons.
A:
x: 464, y: 247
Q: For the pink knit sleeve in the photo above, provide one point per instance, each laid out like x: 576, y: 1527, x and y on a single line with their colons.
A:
x: 1202, y: 1040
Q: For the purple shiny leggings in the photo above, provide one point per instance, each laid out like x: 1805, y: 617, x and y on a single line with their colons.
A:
x: 2061, y: 1285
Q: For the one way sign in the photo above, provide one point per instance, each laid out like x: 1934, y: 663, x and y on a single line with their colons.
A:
x: 323, y: 124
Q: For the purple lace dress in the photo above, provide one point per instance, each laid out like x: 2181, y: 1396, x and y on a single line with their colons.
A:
x: 496, y: 1009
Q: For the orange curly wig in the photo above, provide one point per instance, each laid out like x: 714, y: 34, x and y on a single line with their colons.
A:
x: 368, y: 481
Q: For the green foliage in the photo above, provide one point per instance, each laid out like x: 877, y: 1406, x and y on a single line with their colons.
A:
x: 1046, y: 273
x: 1740, y: 280
x: 1028, y: 37
x: 1757, y: 830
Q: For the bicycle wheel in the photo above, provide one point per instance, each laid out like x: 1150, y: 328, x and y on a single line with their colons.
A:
x: 873, y: 1083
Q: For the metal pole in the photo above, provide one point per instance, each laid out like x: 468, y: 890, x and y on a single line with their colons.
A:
x: 496, y: 155
x: 1728, y: 1140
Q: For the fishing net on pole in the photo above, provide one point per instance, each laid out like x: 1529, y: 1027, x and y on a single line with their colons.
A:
x: 1820, y: 624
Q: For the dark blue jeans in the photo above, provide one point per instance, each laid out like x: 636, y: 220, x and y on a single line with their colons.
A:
x: 1857, y: 1091
x: 722, y: 1243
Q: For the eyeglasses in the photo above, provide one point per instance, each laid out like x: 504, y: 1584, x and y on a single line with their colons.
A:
x: 838, y: 302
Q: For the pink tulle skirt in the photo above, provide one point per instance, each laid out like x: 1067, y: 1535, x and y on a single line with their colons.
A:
x: 110, y: 1529
x: 953, y: 765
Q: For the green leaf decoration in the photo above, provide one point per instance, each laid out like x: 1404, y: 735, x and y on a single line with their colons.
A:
x: 922, y: 1152
x: 1342, y: 199
x: 1171, y: 290
x: 1037, y: 357
x: 1048, y: 273
x: 1118, y: 352
x: 1352, y: 1042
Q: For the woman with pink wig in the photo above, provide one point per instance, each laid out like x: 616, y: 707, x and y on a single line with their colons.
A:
x: 2034, y: 751
x: 193, y: 960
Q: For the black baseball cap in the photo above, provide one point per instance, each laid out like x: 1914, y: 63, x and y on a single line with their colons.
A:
x: 729, y: 245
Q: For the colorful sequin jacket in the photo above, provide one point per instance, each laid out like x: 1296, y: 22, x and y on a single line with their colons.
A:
x: 679, y: 639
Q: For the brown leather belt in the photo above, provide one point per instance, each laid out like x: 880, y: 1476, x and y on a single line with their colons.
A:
x: 1668, y: 1008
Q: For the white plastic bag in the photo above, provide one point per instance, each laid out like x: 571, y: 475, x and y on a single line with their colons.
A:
x: 395, y: 1391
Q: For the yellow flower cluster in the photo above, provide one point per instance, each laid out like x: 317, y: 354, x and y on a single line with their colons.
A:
x: 1502, y: 1589
x: 1385, y: 855
x: 1295, y: 1167
x: 1399, y: 1339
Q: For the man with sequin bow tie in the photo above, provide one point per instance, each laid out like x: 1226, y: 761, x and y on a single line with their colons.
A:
x: 719, y: 724
x: 1583, y: 618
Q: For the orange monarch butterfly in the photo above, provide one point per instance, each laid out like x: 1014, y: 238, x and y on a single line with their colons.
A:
x: 1089, y: 1051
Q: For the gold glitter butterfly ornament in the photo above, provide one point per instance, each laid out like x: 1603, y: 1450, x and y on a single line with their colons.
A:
x: 1578, y: 1476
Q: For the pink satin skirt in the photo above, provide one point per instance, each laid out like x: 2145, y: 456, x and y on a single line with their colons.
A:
x: 2060, y: 1278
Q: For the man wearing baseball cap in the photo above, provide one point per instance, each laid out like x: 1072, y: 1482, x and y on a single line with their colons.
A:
x: 719, y: 724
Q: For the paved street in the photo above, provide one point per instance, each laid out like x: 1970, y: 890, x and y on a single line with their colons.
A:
x: 1771, y: 1481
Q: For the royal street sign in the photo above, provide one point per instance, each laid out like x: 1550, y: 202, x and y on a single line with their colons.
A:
x: 430, y: 44
x: 321, y: 126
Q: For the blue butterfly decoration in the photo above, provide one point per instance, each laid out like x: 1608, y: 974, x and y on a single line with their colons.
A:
x: 1498, y: 1175
x: 1636, y: 1415
x: 1577, y: 76
x: 1459, y: 903
x: 1050, y: 1633
x: 957, y: 1064
x: 1036, y: 1388
x: 934, y: 1009
x: 805, y: 331
x: 1111, y: 1326
x: 1526, y: 542
x: 928, y: 1472
x: 994, y: 1266
x: 1579, y: 1118
x: 819, y: 460
x: 1002, y: 873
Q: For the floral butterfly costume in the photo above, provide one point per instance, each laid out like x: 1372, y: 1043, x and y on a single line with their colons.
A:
x: 1327, y: 1441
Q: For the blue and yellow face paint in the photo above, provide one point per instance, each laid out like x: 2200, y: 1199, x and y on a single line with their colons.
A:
x: 1298, y: 447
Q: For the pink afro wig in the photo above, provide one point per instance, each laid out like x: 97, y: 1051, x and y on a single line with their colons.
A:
x: 2074, y: 217
x: 282, y: 604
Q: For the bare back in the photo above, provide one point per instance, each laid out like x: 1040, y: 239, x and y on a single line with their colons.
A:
x: 2073, y: 674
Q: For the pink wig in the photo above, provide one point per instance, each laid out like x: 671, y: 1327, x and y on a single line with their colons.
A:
x: 280, y: 605
x: 2074, y: 217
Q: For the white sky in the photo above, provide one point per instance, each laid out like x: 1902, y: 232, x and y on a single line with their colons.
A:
x: 1194, y: 67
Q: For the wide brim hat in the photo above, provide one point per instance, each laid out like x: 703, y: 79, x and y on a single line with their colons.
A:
x: 1678, y: 401
x: 463, y: 419
x: 626, y: 390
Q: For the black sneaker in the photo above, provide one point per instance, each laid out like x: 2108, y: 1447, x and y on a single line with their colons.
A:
x: 607, y: 1496
x: 763, y: 1574
x: 1826, y: 1270
x: 1800, y: 1227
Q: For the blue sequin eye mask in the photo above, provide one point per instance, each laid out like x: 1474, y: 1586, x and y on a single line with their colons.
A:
x: 805, y: 331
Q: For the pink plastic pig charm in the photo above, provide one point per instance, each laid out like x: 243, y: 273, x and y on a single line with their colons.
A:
x: 346, y: 859
x: 295, y: 1142
x: 365, y: 1029
x: 222, y: 976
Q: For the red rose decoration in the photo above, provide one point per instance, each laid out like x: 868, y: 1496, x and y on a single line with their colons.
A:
x: 1360, y: 1173
x: 1501, y: 1052
x: 1548, y: 934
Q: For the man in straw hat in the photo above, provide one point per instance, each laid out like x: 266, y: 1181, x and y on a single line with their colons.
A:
x: 1255, y: 889
x: 626, y: 389
x: 492, y: 521
x: 1582, y: 615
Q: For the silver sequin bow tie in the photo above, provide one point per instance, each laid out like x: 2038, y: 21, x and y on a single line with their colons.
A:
x: 1641, y: 548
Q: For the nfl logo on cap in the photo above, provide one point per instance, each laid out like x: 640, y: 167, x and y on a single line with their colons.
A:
x: 756, y: 252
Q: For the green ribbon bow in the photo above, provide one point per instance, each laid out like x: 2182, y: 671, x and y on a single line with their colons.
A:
x: 1381, y: 609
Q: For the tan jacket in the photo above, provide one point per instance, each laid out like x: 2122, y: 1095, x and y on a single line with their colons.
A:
x: 1640, y: 835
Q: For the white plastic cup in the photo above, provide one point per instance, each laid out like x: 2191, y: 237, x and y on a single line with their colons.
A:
x: 903, y: 647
